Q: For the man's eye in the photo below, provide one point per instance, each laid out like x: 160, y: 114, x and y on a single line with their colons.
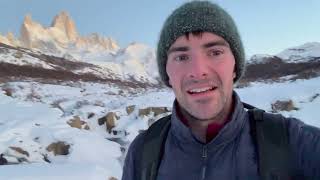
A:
x: 181, y: 58
x: 215, y: 52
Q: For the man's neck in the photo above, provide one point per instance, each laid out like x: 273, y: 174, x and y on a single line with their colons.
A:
x: 200, y: 127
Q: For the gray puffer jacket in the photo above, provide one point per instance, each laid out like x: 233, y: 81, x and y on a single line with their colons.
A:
x: 230, y: 155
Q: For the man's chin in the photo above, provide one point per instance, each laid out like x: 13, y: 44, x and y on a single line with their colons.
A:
x: 203, y: 116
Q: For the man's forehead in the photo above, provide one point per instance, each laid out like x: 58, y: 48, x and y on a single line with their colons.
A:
x: 207, y: 40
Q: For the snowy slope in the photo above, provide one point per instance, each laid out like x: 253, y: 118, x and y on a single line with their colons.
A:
x: 38, y: 113
x: 304, y: 52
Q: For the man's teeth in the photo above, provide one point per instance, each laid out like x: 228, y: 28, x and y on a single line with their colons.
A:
x: 201, y: 90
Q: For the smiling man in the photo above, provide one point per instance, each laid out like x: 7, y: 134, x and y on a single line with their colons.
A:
x: 210, y: 134
x: 200, y: 67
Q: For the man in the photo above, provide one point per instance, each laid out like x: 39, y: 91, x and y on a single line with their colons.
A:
x: 200, y: 56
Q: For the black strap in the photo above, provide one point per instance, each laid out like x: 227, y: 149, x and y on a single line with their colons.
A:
x: 153, y: 148
x: 270, y: 134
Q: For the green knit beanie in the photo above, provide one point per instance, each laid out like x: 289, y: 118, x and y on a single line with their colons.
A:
x: 202, y: 16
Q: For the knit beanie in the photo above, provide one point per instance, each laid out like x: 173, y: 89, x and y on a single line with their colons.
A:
x: 199, y: 16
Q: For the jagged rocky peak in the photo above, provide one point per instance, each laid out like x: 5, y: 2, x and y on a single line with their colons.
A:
x: 27, y: 19
x: 63, y: 22
x: 9, y: 39
x: 61, y: 37
x: 30, y: 31
x: 98, y: 42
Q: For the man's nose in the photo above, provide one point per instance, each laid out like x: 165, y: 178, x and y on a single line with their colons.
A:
x: 198, y: 68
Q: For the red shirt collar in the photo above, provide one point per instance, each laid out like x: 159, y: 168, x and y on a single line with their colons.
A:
x: 212, y: 130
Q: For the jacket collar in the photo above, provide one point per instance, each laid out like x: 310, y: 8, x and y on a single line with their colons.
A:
x: 226, y: 134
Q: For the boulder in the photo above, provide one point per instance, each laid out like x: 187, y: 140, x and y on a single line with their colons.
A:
x: 130, y: 109
x: 59, y: 148
x: 155, y: 110
x: 3, y: 161
x: 283, y: 106
x: 77, y: 123
x: 18, y: 54
x: 90, y: 115
x: 19, y: 150
x: 109, y: 120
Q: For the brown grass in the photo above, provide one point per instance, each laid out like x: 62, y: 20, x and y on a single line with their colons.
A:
x: 274, y: 68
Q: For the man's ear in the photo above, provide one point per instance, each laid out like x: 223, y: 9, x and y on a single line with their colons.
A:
x: 234, y: 75
x: 170, y: 82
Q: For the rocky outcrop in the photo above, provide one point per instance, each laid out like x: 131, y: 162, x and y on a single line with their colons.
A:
x: 3, y: 161
x: 59, y: 148
x: 33, y: 34
x: 64, y: 23
x: 286, y: 105
x: 109, y: 120
x: 130, y: 109
x: 9, y: 39
x: 60, y: 35
x: 96, y: 41
x: 77, y: 123
x: 153, y: 110
x: 19, y: 150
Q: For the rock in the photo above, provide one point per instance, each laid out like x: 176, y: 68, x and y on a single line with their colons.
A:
x: 77, y: 123
x: 90, y: 115
x: 314, y: 97
x: 86, y: 127
x: 155, y: 110
x: 64, y: 23
x: 130, y: 109
x: 45, y: 158
x: 3, y: 161
x: 2, y: 50
x: 18, y: 54
x: 8, y: 91
x: 112, y: 178
x: 283, y: 106
x: 59, y: 148
x: 19, y: 150
x: 110, y: 120
x: 102, y: 120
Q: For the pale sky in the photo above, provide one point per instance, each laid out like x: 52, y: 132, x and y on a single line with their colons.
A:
x: 266, y: 26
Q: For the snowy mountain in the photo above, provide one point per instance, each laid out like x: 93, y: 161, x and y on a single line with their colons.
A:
x: 302, y: 62
x: 61, y: 37
x: 304, y: 52
x: 61, y: 40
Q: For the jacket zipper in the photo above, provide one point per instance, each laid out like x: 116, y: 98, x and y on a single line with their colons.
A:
x: 204, y: 157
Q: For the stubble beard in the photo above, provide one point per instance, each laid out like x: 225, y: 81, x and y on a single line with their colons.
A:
x: 220, y: 101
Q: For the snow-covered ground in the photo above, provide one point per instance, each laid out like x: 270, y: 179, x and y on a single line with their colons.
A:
x: 35, y: 115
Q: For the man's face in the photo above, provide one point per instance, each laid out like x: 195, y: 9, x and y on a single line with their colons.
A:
x: 201, y: 72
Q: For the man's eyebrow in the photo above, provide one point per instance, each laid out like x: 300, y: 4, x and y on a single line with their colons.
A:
x: 177, y: 49
x: 216, y: 43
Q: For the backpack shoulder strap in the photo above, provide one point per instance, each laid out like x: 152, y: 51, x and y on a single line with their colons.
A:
x: 153, y: 148
x: 270, y: 134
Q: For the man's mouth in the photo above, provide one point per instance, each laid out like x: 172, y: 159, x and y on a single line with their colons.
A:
x: 201, y: 90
